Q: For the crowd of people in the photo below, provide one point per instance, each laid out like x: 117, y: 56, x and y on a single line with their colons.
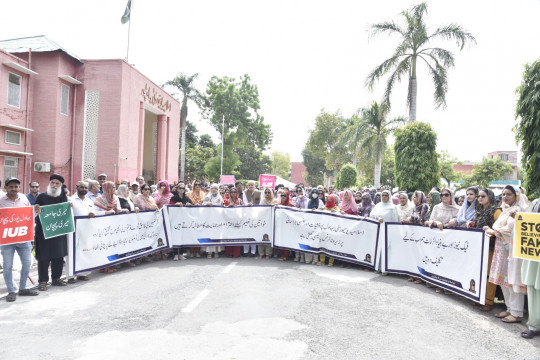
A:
x: 439, y: 209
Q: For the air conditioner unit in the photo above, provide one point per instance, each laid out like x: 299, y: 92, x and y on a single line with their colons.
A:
x: 42, y: 167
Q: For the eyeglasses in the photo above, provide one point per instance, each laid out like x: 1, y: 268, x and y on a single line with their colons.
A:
x: 162, y: 185
x: 267, y: 192
x: 182, y: 188
x: 234, y: 192
x: 284, y: 196
x: 35, y: 187
x: 298, y: 191
x: 482, y: 196
x: 445, y: 195
x: 385, y: 195
x: 197, y: 184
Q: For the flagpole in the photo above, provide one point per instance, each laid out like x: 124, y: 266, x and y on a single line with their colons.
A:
x: 129, y: 28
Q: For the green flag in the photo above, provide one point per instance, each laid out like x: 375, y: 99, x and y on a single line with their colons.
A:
x: 56, y: 219
x: 127, y: 13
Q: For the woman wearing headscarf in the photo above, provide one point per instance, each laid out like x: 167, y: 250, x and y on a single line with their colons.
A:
x: 163, y: 195
x: 180, y: 199
x: 385, y: 210
x: 377, y: 198
x: 213, y: 198
x: 444, y: 212
x: 196, y: 194
x: 530, y: 275
x: 284, y: 200
x: 366, y: 205
x: 125, y: 201
x: 405, y: 207
x: 268, y: 199
x: 144, y: 201
x: 322, y: 197
x: 314, y: 200
x: 348, y: 205
x: 467, y: 211
x: 234, y: 200
x: 332, y: 207
x: 486, y: 214
x: 505, y: 269
x: 434, y: 199
x: 358, y: 198
x: 419, y: 214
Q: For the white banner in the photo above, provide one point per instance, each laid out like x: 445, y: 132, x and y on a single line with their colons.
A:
x: 193, y: 226
x: 107, y: 240
x: 453, y: 259
x: 349, y: 238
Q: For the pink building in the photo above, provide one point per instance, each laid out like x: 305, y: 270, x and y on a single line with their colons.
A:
x: 85, y: 117
x: 298, y: 170
x: 466, y: 168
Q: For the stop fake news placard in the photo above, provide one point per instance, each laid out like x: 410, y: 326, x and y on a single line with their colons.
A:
x: 527, y: 236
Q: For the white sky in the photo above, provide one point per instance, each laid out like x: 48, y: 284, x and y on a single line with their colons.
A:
x: 305, y: 56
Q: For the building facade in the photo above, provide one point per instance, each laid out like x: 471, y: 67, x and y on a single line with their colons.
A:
x: 80, y: 118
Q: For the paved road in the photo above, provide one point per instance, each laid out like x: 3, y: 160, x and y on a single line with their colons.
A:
x: 252, y: 309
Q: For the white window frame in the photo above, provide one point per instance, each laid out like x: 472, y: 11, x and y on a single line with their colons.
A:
x: 20, y: 89
x: 16, y: 161
x: 504, y: 157
x: 13, y: 132
x: 62, y: 98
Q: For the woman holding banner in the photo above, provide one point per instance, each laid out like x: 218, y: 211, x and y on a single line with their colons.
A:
x: 487, y: 213
x: 530, y: 275
x: 467, y: 211
x: 505, y: 269
x: 268, y: 199
x: 285, y: 201
x: 405, y: 207
x: 329, y: 206
x: 196, y: 195
x: 418, y: 216
x: 348, y: 205
x: 384, y: 211
x: 444, y: 213
x: 213, y: 198
x: 366, y: 205
x: 234, y: 251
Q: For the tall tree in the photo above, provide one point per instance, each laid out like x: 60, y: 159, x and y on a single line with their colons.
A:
x: 281, y: 164
x: 375, y: 129
x: 446, y: 166
x: 184, y: 83
x: 315, y: 167
x: 416, y: 166
x: 415, y: 44
x: 236, y: 104
x: 347, y: 177
x: 528, y: 127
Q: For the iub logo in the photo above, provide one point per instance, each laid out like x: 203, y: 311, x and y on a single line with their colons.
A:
x: 14, y: 232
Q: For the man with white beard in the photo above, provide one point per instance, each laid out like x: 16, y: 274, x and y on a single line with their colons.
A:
x: 50, y: 251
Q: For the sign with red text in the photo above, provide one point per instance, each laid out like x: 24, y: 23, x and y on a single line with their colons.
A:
x: 16, y: 225
x: 267, y: 181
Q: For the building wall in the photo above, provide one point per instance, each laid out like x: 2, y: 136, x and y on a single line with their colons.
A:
x: 297, y: 173
x: 509, y: 157
x: 13, y: 116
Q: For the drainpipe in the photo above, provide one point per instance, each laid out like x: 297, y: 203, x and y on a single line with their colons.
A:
x: 73, y: 123
x: 27, y: 171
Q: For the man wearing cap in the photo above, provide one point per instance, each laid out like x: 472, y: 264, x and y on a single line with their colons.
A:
x: 12, y: 198
x: 101, y: 180
x: 134, y: 191
x: 52, y: 250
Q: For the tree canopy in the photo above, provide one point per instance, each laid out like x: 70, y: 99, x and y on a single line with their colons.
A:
x: 416, y: 43
x: 281, y: 164
x: 487, y: 171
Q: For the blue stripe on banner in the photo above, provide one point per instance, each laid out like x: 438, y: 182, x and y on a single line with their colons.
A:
x: 440, y: 278
x: 113, y: 257
x: 204, y: 240
x: 307, y: 247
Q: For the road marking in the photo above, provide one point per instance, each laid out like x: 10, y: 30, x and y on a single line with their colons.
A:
x: 195, y: 302
x: 229, y: 268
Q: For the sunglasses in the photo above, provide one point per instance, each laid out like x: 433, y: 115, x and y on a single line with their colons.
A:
x: 445, y: 195
x: 197, y: 184
x: 267, y: 192
x: 35, y: 187
x: 234, y: 192
x: 181, y: 188
x: 482, y: 196
x: 284, y: 196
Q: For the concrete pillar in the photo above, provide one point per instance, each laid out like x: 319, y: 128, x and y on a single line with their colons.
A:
x: 141, y: 140
x: 167, y: 136
x: 161, y: 147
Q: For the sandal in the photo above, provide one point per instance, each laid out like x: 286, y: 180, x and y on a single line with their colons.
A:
x: 42, y: 286
x: 83, y: 278
x: 418, y: 281
x: 282, y: 259
x: 502, y: 314
x: 485, y: 308
x: 71, y: 281
x: 58, y: 282
x: 529, y: 334
x: 106, y: 271
x: 511, y: 319
x: 411, y: 279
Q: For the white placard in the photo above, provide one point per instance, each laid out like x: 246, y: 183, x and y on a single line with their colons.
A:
x: 454, y: 259
x: 193, y: 226
x: 349, y: 238
x: 107, y: 240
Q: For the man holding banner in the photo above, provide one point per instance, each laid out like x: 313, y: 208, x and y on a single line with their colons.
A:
x: 13, y: 199
x: 52, y: 250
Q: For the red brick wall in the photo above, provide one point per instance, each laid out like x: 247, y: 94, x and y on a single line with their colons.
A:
x: 297, y: 173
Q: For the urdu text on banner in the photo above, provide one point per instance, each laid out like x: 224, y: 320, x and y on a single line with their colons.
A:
x: 348, y: 238
x: 56, y: 219
x: 106, y: 240
x: 453, y: 259
x: 193, y: 226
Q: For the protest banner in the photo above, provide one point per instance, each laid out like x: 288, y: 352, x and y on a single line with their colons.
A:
x: 16, y: 224
x: 227, y: 179
x: 107, y: 240
x: 267, y: 181
x: 56, y: 220
x: 194, y: 226
x: 349, y: 238
x: 454, y: 259
x: 527, y: 236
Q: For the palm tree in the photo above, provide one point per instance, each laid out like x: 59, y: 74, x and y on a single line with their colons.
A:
x: 414, y: 46
x: 184, y: 83
x: 375, y: 129
x: 352, y: 135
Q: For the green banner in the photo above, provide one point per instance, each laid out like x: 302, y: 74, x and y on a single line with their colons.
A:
x: 56, y: 220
